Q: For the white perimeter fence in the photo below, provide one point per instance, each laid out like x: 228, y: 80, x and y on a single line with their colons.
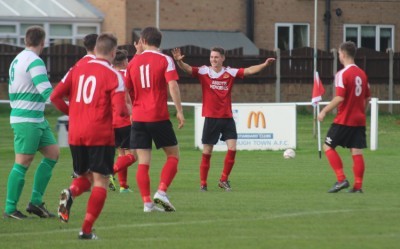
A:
x: 375, y: 102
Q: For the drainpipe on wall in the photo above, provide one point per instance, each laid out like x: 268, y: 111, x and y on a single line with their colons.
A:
x: 327, y: 21
x: 250, y: 19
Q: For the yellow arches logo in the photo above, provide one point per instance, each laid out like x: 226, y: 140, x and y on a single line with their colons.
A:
x: 257, y: 117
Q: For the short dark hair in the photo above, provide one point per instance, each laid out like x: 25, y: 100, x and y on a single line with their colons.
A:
x: 89, y: 41
x: 219, y: 50
x: 34, y: 36
x: 121, y: 56
x: 152, y: 36
x: 105, y: 43
x: 349, y: 48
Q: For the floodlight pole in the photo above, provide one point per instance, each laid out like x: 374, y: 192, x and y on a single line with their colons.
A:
x: 316, y: 110
x: 158, y: 14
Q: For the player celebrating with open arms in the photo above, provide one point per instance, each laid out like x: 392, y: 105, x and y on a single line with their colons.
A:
x: 217, y: 82
x: 149, y: 76
x: 348, y: 128
x: 92, y: 90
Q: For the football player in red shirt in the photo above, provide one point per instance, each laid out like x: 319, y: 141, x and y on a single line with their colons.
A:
x: 216, y: 83
x: 89, y: 42
x: 92, y: 89
x: 122, y: 130
x: 149, y: 76
x: 348, y: 128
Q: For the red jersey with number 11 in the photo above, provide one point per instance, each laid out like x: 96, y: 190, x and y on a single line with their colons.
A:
x: 147, y: 77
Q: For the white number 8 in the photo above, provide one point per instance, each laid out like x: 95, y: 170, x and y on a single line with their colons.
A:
x: 358, y: 86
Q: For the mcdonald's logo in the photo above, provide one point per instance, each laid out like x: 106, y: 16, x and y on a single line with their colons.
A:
x: 257, y: 117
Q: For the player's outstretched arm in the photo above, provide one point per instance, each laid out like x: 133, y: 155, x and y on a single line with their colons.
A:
x: 257, y: 68
x: 176, y: 98
x: 178, y: 57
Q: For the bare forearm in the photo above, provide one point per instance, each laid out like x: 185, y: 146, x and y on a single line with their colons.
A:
x: 333, y: 104
x: 175, y: 95
x: 254, y: 69
x: 185, y: 67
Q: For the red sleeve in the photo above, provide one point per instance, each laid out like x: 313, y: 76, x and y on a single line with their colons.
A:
x: 128, y: 79
x: 61, y: 91
x: 240, y: 73
x: 119, y: 104
x: 195, y: 72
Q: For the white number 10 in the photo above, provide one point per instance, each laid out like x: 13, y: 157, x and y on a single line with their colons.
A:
x: 144, y: 76
x: 91, y: 80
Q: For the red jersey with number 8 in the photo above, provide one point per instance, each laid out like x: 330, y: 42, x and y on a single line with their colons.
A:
x: 147, y: 78
x: 352, y: 84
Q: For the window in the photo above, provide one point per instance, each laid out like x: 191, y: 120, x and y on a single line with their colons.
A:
x: 289, y: 36
x: 56, y: 33
x: 377, y: 37
x: 8, y: 33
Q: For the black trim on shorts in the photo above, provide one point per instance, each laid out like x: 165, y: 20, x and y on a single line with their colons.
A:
x: 98, y: 159
x: 161, y: 132
x: 346, y: 136
x: 122, y: 137
x: 218, y: 129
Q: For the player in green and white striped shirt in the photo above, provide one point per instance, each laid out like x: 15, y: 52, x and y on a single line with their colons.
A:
x: 29, y: 89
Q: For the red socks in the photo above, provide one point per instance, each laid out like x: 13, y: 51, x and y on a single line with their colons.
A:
x: 228, y: 164
x: 123, y: 162
x: 358, y: 170
x: 336, y: 164
x: 94, y: 207
x: 204, y: 168
x: 79, y: 185
x: 168, y: 173
x: 123, y: 178
x: 143, y: 182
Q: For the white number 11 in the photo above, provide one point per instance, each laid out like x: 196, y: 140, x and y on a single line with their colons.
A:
x: 144, y: 76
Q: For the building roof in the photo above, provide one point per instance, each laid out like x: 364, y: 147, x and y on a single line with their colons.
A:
x: 54, y: 10
x: 207, y: 39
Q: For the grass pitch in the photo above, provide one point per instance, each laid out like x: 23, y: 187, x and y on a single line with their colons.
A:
x: 275, y: 203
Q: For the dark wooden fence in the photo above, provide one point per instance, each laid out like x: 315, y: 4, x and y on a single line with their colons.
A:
x: 296, y: 65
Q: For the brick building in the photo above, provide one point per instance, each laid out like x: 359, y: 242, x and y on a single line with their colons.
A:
x: 269, y: 24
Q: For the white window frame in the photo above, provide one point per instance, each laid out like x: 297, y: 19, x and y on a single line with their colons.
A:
x: 46, y: 25
x: 290, y: 25
x: 377, y: 32
x: 11, y: 35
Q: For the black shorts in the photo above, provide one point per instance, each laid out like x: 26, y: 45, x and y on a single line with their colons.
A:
x: 218, y: 128
x: 161, y: 132
x: 122, y: 137
x: 98, y: 159
x: 346, y: 136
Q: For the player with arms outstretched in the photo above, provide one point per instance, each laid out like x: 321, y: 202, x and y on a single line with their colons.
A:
x: 216, y: 83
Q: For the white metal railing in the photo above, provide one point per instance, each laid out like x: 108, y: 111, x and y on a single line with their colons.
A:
x: 375, y: 102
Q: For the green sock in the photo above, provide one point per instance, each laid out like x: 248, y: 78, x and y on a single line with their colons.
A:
x: 15, y: 184
x: 42, y: 177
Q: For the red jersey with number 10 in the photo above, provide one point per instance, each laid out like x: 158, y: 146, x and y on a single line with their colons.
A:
x: 352, y: 84
x: 92, y: 89
x: 147, y: 78
x: 217, y: 88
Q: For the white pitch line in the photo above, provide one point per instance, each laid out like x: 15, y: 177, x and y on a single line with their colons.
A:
x: 272, y: 217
